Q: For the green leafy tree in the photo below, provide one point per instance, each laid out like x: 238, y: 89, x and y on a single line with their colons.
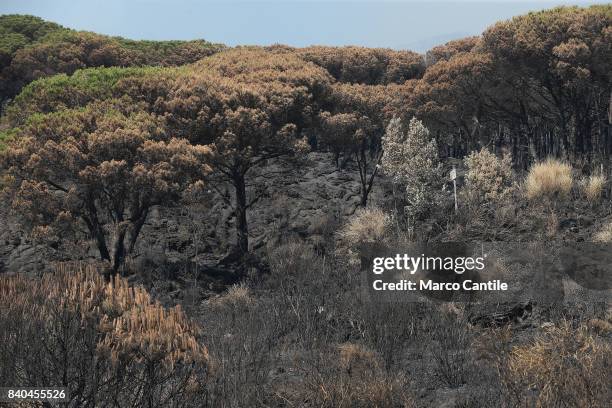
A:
x: 411, y: 158
x: 31, y: 48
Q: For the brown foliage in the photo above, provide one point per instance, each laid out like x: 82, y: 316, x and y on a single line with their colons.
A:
x: 343, y: 132
x: 105, y: 165
x: 355, y: 128
x: 366, y: 65
x: 452, y: 93
x: 451, y: 48
x: 250, y: 105
x: 538, y: 83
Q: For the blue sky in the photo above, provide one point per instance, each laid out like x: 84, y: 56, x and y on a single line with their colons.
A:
x: 402, y: 24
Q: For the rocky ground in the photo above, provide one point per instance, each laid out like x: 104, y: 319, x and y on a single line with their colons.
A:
x: 306, y: 202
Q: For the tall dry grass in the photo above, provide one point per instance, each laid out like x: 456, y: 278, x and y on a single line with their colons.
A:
x: 605, y: 234
x: 107, y: 342
x: 366, y: 225
x: 593, y: 188
x: 564, y: 366
x: 351, y: 375
x: 551, y: 178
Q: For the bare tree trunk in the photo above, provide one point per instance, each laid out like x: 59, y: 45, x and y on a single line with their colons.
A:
x: 95, y: 229
x: 101, y: 244
x: 135, y: 229
x: 119, y: 250
x: 367, y: 182
x: 242, y: 228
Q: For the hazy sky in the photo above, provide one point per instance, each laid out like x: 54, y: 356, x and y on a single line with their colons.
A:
x: 401, y: 24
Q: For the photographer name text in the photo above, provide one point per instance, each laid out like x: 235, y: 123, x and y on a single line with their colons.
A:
x: 467, y: 285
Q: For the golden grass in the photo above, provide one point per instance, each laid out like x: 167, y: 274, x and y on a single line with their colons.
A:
x: 235, y: 296
x: 564, y: 366
x: 593, y: 188
x: 367, y: 225
x: 130, y: 324
x: 551, y: 178
x: 605, y: 234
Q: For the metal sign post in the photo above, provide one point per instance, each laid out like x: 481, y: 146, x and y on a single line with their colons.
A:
x: 453, y: 177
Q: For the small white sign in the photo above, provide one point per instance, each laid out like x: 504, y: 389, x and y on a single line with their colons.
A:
x: 453, y: 174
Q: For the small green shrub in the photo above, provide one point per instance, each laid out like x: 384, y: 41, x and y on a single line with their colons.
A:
x: 489, y: 178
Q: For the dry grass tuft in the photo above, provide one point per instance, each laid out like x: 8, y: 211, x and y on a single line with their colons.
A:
x: 604, y: 235
x: 564, y: 366
x: 600, y: 326
x: 593, y: 188
x: 356, y: 380
x: 148, y: 333
x: 551, y: 178
x: 236, y: 296
x: 367, y: 225
x: 356, y: 357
